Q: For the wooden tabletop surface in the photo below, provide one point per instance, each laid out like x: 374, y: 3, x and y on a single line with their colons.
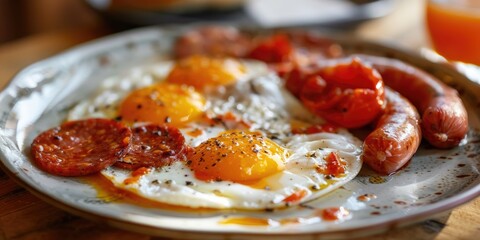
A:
x: 24, y: 216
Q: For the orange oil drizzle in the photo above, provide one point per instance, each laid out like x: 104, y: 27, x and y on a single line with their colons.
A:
x: 249, y: 221
x: 195, y: 132
x: 136, y: 175
x: 326, y: 214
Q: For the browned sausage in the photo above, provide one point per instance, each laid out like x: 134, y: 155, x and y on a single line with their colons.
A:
x: 396, y: 137
x: 444, y: 118
x: 217, y: 41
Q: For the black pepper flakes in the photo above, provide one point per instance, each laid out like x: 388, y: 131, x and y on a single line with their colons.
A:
x: 306, y: 206
x: 274, y: 137
x: 167, y: 119
x: 218, y: 143
x: 159, y: 103
x: 169, y: 153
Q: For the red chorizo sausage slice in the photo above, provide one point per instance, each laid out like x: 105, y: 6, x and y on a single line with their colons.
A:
x: 82, y: 147
x: 396, y: 137
x: 153, y: 146
x: 444, y: 117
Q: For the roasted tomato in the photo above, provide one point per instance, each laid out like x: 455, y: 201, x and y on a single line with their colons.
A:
x: 347, y: 93
x: 278, y: 52
x: 285, y: 51
x: 274, y: 49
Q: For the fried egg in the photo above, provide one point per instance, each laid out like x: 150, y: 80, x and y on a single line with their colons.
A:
x: 238, y: 122
x: 285, y: 176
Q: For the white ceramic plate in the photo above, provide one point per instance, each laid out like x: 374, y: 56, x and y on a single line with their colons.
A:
x: 37, y: 99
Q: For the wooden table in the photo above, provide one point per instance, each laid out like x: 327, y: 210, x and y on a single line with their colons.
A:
x: 24, y: 216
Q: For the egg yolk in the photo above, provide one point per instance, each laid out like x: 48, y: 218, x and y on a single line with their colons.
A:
x: 163, y: 103
x: 237, y: 156
x: 200, y: 71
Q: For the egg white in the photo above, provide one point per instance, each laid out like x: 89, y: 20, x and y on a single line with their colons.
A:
x: 259, y: 99
x: 177, y: 185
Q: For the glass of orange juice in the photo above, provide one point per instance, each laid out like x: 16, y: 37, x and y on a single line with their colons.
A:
x: 454, y: 29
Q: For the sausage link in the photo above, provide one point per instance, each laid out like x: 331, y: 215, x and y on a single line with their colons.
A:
x: 444, y: 118
x: 396, y: 137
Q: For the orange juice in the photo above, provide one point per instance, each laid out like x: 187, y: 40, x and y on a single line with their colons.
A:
x: 454, y: 27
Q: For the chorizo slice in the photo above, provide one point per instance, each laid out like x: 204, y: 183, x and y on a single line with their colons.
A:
x: 82, y: 147
x: 153, y: 146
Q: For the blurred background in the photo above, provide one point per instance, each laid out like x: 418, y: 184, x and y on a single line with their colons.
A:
x: 402, y: 22
x: 20, y: 18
